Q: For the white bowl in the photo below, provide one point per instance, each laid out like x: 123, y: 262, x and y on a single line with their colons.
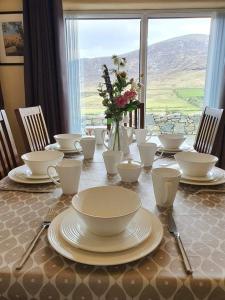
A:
x: 195, y: 164
x: 171, y: 141
x: 67, y: 140
x: 38, y: 161
x: 106, y: 210
x: 129, y: 170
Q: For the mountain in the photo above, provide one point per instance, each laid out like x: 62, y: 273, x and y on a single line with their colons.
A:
x: 167, y: 58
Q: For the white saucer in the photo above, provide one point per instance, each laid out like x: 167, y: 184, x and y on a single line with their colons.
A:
x: 57, y: 147
x: 29, y: 175
x: 104, y: 259
x: 76, y: 233
x: 180, y: 149
x: 209, y: 177
x: 19, y: 174
x: 217, y: 177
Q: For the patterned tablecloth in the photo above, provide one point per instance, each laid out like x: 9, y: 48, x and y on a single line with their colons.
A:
x: 160, y: 275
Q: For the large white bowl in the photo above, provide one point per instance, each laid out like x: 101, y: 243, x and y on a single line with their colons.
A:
x: 195, y: 164
x: 38, y: 161
x: 171, y: 141
x: 106, y: 210
x: 67, y: 140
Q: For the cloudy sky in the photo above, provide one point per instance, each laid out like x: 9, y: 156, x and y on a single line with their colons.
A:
x: 99, y: 38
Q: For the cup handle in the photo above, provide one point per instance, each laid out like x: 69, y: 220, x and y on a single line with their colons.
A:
x: 50, y: 176
x: 75, y: 145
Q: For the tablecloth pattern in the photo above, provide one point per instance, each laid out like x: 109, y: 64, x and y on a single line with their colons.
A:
x: 160, y: 275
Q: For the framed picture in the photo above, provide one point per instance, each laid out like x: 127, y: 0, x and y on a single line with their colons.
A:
x: 11, y: 38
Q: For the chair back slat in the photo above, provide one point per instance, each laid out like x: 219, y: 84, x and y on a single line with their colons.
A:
x: 33, y: 127
x: 208, y: 129
x: 136, y: 118
x: 8, y: 154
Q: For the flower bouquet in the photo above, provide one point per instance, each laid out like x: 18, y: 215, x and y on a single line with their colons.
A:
x: 120, y: 96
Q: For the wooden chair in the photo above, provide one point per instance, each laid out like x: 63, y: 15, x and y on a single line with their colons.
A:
x: 8, y: 153
x: 137, y: 117
x: 208, y: 129
x: 33, y: 127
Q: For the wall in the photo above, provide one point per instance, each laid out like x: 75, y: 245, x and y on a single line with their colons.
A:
x: 12, y: 83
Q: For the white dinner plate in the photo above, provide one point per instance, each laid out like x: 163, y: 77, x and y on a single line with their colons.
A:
x: 77, y: 234
x: 57, y: 147
x: 19, y: 174
x: 180, y: 149
x: 216, y: 176
x: 104, y: 259
x: 212, y: 182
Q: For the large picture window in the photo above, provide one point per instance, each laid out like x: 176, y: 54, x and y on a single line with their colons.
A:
x: 170, y: 52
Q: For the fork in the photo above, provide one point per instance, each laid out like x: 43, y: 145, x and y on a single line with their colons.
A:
x: 44, y: 225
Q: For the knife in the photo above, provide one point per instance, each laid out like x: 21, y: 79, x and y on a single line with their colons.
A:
x: 173, y: 229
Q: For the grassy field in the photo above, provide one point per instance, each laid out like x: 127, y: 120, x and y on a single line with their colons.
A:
x: 186, y: 100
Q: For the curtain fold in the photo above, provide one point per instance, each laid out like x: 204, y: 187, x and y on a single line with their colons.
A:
x: 45, y: 71
x: 216, y: 58
x: 215, y: 80
x: 73, y: 63
x: 1, y: 98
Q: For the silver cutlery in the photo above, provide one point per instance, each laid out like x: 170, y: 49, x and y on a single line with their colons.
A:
x: 12, y: 189
x: 173, y: 229
x: 45, y: 224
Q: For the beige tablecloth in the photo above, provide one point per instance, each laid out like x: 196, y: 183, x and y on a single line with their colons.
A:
x: 160, y: 275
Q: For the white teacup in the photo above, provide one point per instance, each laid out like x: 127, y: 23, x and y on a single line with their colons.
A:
x: 112, y: 159
x: 69, y: 171
x: 88, y: 146
x: 38, y: 161
x: 141, y: 135
x: 147, y: 153
x: 165, y: 184
x: 100, y: 134
x: 67, y: 141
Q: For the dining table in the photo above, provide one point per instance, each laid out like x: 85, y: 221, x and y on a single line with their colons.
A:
x: 200, y: 218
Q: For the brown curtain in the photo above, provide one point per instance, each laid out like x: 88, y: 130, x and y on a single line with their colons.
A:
x: 45, y: 72
x: 219, y: 147
x: 1, y: 98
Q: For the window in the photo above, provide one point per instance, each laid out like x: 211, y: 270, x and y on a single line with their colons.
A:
x: 170, y: 51
x: 176, y: 69
x: 96, y: 41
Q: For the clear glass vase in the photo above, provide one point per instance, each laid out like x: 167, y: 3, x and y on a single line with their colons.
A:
x: 116, y: 136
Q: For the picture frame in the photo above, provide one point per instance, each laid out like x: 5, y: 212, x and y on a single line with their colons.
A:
x: 11, y: 38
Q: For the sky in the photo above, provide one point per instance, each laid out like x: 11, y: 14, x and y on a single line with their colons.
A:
x: 98, y: 38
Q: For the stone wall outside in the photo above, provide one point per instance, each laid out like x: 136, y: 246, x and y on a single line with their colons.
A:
x: 158, y: 122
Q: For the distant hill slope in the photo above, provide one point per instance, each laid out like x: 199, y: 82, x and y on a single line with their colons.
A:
x: 176, y: 55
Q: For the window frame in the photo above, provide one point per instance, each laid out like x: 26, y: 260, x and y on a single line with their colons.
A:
x: 144, y: 16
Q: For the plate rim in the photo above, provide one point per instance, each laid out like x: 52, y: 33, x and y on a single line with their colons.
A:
x: 48, y: 147
x: 63, y: 234
x: 14, y: 178
x: 105, y: 259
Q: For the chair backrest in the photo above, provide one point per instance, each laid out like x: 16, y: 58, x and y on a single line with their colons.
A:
x: 208, y: 129
x: 8, y: 153
x: 137, y: 117
x: 33, y: 127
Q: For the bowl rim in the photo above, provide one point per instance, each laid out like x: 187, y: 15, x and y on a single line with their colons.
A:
x: 63, y: 136
x: 215, y: 158
x: 177, y: 136
x: 60, y: 155
x: 102, y: 217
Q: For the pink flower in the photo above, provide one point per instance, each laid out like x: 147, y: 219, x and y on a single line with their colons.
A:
x: 130, y: 95
x: 121, y: 101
